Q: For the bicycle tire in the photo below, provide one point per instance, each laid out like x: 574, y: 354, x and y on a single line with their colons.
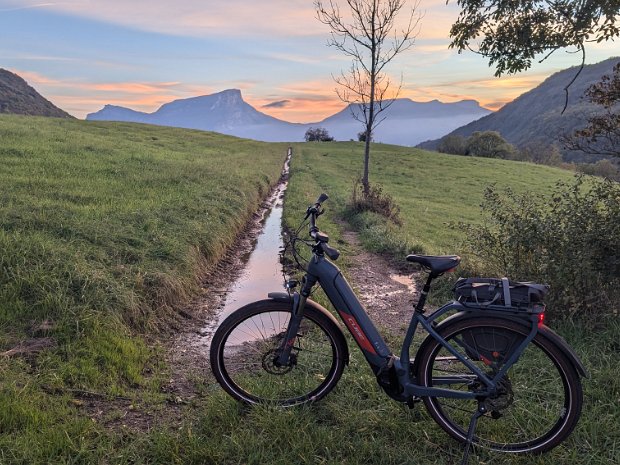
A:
x: 243, y: 349
x: 541, y: 396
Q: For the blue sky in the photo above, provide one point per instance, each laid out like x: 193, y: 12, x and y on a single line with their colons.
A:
x: 83, y: 54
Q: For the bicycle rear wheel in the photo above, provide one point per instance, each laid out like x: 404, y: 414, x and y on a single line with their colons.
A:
x: 245, y: 346
x: 538, y: 401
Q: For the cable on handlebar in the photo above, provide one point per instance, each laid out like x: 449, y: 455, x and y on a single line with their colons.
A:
x: 319, y: 239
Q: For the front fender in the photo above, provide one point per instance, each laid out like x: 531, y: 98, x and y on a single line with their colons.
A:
x: 285, y: 297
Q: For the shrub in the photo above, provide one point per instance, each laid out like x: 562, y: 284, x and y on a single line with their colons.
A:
x: 489, y: 144
x: 570, y: 241
x: 453, y: 144
x: 539, y: 152
x: 361, y: 137
x: 317, y: 135
x: 602, y: 168
x: 375, y: 200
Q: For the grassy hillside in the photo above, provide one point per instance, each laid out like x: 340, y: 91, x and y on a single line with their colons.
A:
x: 357, y: 423
x: 432, y: 189
x: 105, y: 230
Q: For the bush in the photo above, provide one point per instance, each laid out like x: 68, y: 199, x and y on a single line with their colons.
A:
x: 453, y: 144
x: 361, y: 137
x: 570, y: 241
x: 602, y: 168
x: 375, y: 200
x: 317, y: 135
x: 489, y: 144
x: 539, y: 152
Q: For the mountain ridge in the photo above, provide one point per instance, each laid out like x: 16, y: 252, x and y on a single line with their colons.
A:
x: 228, y: 113
x: 536, y: 115
x: 19, y: 98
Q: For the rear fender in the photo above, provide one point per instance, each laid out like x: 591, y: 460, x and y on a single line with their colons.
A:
x: 284, y: 297
x: 543, y: 330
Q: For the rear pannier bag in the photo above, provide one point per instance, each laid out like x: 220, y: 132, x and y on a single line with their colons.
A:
x: 498, y: 292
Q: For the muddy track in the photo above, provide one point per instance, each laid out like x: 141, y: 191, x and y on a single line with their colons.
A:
x: 384, y: 290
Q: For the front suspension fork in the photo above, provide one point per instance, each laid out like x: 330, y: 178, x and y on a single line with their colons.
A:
x: 297, y: 313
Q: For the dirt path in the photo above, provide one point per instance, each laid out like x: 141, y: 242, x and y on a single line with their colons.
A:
x: 386, y: 293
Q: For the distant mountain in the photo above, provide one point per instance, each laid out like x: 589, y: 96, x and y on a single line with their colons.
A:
x: 407, y: 122
x: 224, y: 112
x: 17, y: 97
x: 536, y: 116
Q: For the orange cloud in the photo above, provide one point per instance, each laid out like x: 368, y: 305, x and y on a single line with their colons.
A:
x: 301, y: 110
x: 80, y: 98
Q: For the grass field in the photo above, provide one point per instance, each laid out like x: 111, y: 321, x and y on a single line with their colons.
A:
x: 104, y: 229
x: 432, y: 189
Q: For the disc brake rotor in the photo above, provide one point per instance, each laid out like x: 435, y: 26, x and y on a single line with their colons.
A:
x: 270, y: 366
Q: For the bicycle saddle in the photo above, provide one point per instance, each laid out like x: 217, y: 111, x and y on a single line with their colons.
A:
x: 436, y: 263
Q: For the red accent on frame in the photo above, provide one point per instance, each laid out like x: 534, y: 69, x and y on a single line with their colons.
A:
x: 357, y: 333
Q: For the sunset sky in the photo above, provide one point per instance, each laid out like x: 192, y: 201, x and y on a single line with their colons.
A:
x: 83, y: 54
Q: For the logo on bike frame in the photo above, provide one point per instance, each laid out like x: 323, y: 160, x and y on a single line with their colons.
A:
x: 357, y: 333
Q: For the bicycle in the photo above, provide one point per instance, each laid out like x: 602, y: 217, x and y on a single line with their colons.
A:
x: 491, y: 374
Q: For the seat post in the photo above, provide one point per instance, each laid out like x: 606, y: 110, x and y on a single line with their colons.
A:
x: 425, y: 290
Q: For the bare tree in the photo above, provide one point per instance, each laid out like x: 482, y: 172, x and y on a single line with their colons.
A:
x: 369, y: 34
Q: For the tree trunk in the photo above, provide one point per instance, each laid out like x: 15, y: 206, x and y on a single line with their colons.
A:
x: 371, y: 110
x: 365, y: 181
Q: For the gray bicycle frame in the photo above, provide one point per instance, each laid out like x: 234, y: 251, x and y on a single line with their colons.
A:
x: 373, y: 346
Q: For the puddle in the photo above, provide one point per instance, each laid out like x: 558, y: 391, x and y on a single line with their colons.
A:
x: 261, y: 268
x: 405, y: 280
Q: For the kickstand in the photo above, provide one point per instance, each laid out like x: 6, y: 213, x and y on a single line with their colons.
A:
x: 470, y: 432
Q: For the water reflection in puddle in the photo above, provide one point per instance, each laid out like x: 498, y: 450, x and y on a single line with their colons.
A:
x: 262, y: 271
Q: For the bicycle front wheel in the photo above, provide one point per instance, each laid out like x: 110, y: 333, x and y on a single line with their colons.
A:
x: 245, y: 347
x: 538, y: 401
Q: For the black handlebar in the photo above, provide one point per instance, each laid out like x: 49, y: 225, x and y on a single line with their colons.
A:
x: 329, y: 251
x: 320, y: 237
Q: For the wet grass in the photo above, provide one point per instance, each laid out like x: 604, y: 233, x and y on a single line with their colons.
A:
x: 103, y: 230
x: 434, y: 191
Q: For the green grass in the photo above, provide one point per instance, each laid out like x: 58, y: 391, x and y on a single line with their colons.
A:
x: 435, y: 191
x: 104, y: 229
x: 432, y: 190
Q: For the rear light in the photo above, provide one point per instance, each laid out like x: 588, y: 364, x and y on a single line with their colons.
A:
x: 541, y: 319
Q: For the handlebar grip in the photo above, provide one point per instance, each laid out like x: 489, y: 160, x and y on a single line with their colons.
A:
x: 322, y: 198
